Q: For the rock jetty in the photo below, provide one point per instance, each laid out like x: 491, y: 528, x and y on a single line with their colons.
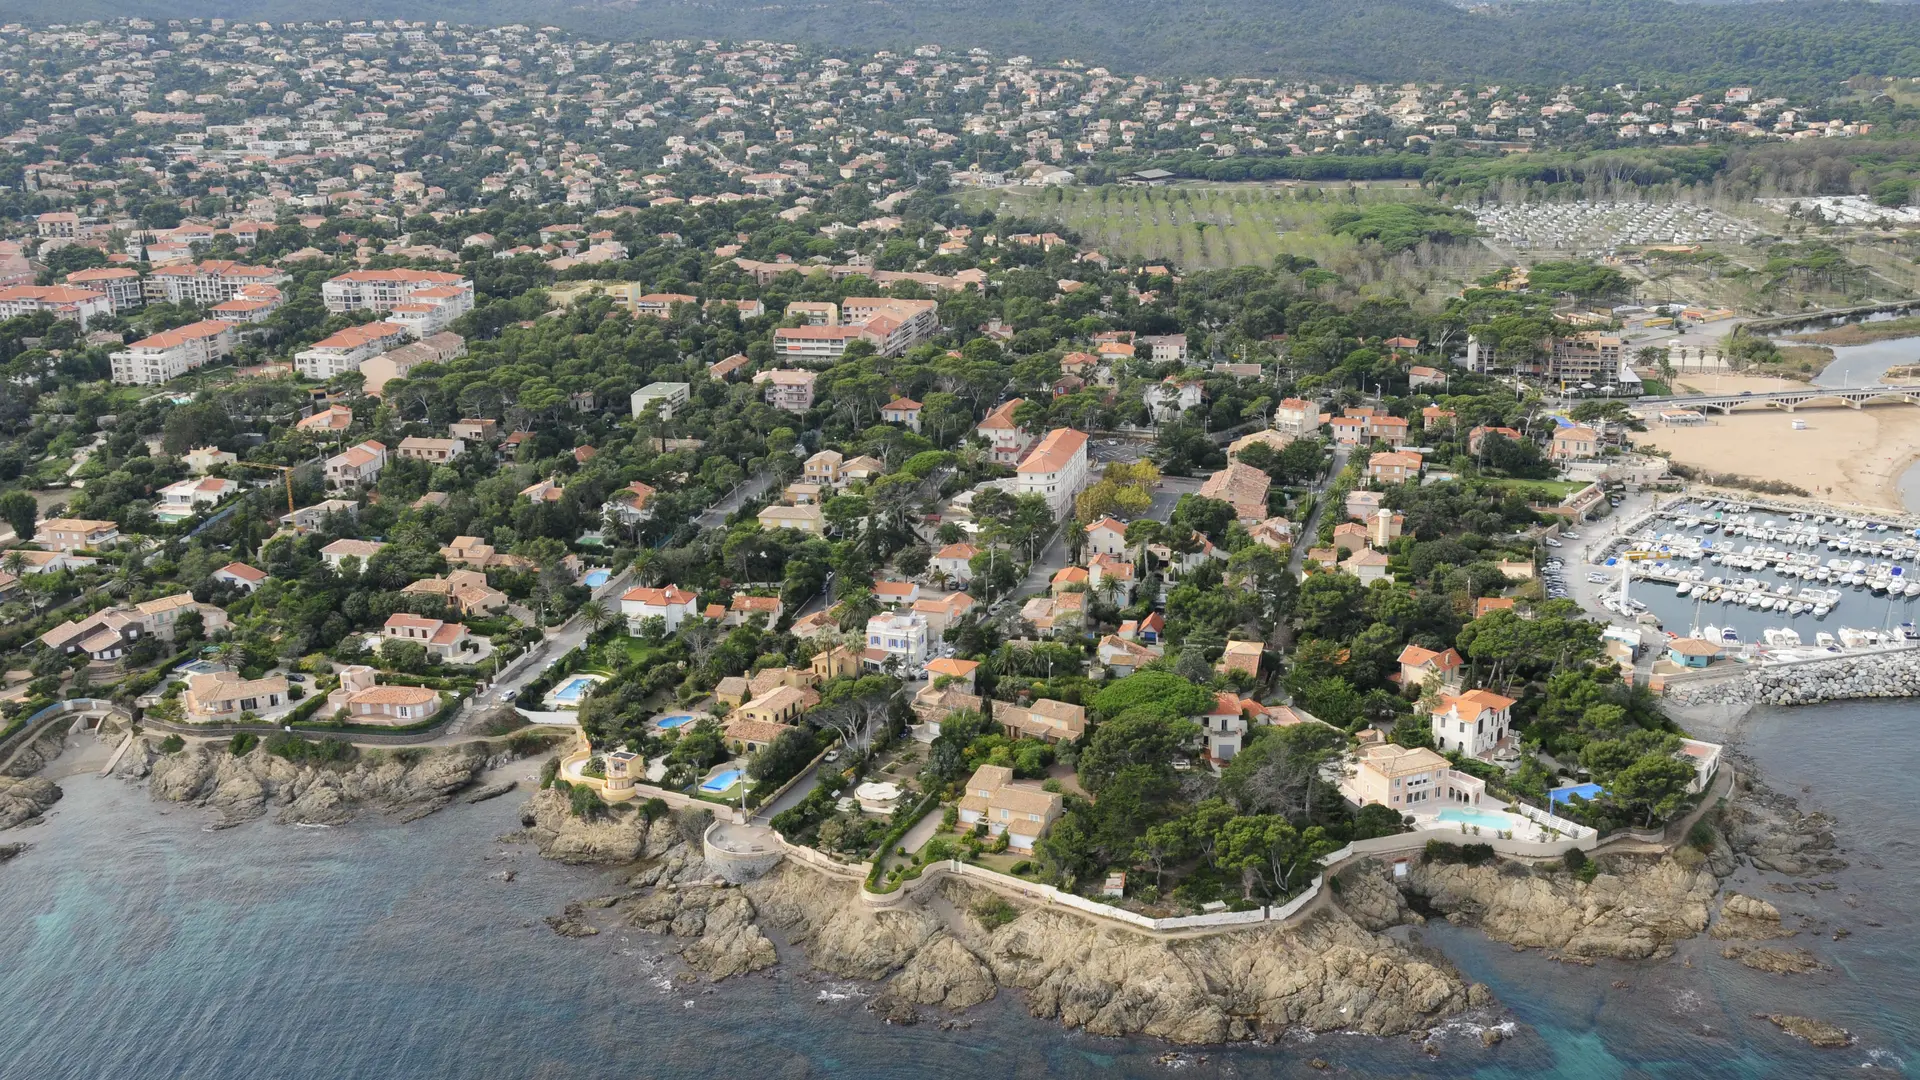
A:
x: 1842, y: 678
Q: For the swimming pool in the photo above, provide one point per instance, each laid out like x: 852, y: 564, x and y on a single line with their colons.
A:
x: 1485, y: 819
x: 574, y: 689
x: 721, y: 782
x: 668, y: 723
x: 1584, y: 791
x: 595, y: 579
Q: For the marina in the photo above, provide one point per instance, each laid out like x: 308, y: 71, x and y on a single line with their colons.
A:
x: 1763, y: 580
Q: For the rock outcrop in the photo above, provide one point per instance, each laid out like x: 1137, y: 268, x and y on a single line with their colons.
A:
x: 1748, y: 918
x: 1632, y: 910
x: 670, y: 845
x: 719, y: 919
x: 24, y: 799
x: 410, y: 784
x: 1818, y: 1032
x: 1769, y: 830
x: 1775, y: 961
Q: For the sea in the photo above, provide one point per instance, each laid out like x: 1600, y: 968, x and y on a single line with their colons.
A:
x: 137, y: 943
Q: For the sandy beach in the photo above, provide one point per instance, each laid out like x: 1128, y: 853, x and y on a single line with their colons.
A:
x: 1846, y: 455
x: 1727, y: 382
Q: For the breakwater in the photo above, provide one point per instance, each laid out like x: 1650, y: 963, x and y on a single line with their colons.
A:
x: 1892, y: 673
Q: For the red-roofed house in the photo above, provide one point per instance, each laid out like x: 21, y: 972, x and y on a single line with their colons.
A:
x: 673, y: 605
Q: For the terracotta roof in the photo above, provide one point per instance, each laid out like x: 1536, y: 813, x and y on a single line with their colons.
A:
x: 1054, y: 451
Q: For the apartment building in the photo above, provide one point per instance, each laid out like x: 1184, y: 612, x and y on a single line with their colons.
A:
x: 1056, y: 470
x: 381, y: 290
x: 347, y: 350
x: 893, y: 326
x: 120, y: 284
x: 668, y: 395
x: 899, y: 636
x: 399, y: 363
x: 61, y: 301
x: 210, y: 282
x: 788, y: 388
x: 172, y: 353
x: 1590, y: 357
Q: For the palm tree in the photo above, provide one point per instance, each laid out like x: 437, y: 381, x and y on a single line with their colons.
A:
x: 596, y: 614
x: 15, y: 563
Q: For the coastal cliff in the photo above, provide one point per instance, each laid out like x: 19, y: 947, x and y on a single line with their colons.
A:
x: 411, y: 784
x: 960, y: 943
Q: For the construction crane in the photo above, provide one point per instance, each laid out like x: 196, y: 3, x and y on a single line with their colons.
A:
x: 286, y: 471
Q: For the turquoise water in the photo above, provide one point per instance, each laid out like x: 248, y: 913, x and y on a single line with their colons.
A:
x: 721, y: 781
x: 135, y: 944
x: 1482, y: 818
x: 575, y: 689
x: 595, y: 579
x: 670, y: 722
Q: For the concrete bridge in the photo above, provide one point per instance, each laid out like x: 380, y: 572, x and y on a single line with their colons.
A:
x: 1851, y: 397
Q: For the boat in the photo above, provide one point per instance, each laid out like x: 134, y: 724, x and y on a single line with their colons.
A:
x: 1820, y: 611
x: 1771, y: 635
x: 1825, y: 640
x: 1789, y: 636
x: 1729, y: 636
x: 1796, y: 608
x: 1851, y: 638
x: 1909, y: 631
x: 1685, y: 588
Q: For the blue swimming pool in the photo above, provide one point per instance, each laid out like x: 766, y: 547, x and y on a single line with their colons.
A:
x: 1456, y: 816
x: 666, y: 723
x: 573, y: 689
x: 595, y: 579
x: 1584, y: 791
x: 721, y: 782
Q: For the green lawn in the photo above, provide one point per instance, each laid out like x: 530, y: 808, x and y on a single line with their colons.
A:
x: 1543, y: 490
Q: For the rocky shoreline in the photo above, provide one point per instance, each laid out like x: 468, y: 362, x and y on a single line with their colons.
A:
x: 408, y: 784
x: 1336, y: 970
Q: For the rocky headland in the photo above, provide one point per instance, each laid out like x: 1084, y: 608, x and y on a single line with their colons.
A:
x: 1337, y: 967
x: 408, y: 783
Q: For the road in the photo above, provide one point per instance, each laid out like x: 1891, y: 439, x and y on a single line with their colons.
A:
x: 749, y: 489
x: 1311, y: 528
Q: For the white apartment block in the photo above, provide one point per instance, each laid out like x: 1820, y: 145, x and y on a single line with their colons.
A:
x: 121, y: 284
x: 1055, y: 470
x: 61, y: 301
x: 172, y: 353
x: 214, y: 281
x: 347, y: 350
x: 381, y: 290
x: 670, y: 395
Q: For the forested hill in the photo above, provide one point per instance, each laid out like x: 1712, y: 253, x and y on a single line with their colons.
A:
x: 1778, y: 46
